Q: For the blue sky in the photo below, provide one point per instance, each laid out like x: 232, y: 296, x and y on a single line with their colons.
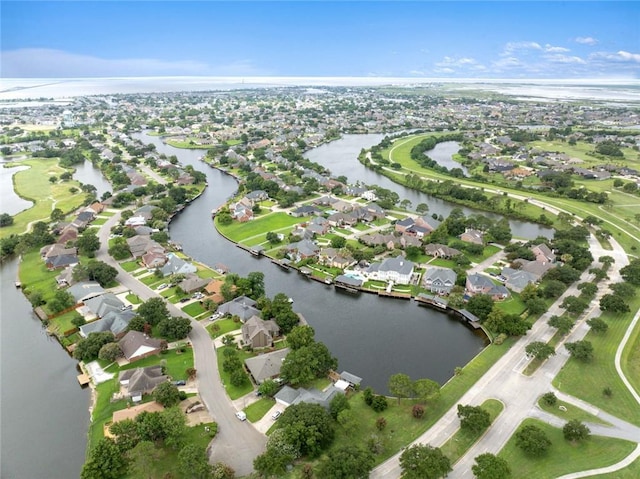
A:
x: 382, y: 39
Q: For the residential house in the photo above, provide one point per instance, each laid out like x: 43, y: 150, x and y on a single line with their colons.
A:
x: 287, y: 396
x: 115, y: 322
x: 156, y: 258
x: 538, y: 268
x: 192, y: 283
x: 103, y: 304
x: 439, y: 280
x: 480, y: 284
x: 472, y: 236
x: 141, y: 381
x: 176, y: 265
x: 214, y: 290
x: 61, y: 261
x: 257, y: 195
x: 266, y: 366
x: 302, y: 250
x: 136, y: 345
x: 259, y: 333
x: 441, y: 251
x: 242, y: 306
x: 427, y: 222
x: 132, y: 412
x: 398, y: 269
x: 543, y: 253
x: 517, y: 280
x: 85, y: 290
x: 135, y: 221
x: 141, y: 245
x: 306, y: 210
x: 83, y: 219
x: 56, y: 249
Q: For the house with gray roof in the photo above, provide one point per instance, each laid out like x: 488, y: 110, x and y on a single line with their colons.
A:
x: 136, y: 345
x: 140, y: 381
x: 242, y: 306
x: 101, y: 305
x: 480, y: 284
x: 61, y: 261
x: 259, y: 333
x: 537, y: 268
x: 398, y: 269
x: 543, y: 253
x: 85, y: 290
x: 176, y: 265
x: 441, y: 250
x: 192, y: 283
x: 439, y: 280
x: 115, y: 322
x: 472, y: 236
x: 518, y: 279
x: 288, y: 396
x: 266, y: 366
x: 302, y: 250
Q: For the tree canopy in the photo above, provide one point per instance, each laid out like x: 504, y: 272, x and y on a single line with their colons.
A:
x: 422, y: 461
x: 489, y: 466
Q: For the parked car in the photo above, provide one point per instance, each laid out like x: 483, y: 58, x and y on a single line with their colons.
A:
x: 276, y: 415
x: 241, y: 415
x: 184, y: 300
x: 213, y: 317
x: 163, y: 285
x: 180, y: 382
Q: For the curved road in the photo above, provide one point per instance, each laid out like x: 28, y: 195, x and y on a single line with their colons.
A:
x: 237, y: 443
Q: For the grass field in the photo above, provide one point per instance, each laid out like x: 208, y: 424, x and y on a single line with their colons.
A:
x: 564, y: 457
x: 176, y: 363
x: 33, y: 184
x: 239, y: 232
x: 234, y: 392
x: 461, y: 441
x: 258, y: 409
x: 225, y: 326
x: 587, y: 381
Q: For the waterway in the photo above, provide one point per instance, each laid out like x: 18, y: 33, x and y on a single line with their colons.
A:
x: 89, y: 174
x: 10, y: 202
x: 44, y: 413
x: 340, y: 157
x: 358, y: 330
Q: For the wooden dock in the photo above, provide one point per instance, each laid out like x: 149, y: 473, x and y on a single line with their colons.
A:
x: 83, y: 380
x: 394, y: 294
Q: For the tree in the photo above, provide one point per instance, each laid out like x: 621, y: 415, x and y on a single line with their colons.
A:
x: 350, y: 462
x: 143, y: 455
x: 379, y: 403
x: 105, y: 461
x: 400, y: 386
x: 109, y: 352
x: 101, y: 272
x: 271, y: 463
x: 536, y: 305
x: 338, y: 242
x: 61, y: 300
x: 220, y: 470
x: 300, y: 336
x: 308, y: 427
x: 56, y: 215
x: 532, y: 440
x: 489, y: 466
x: 553, y: 289
x: 417, y: 411
x: 338, y: 404
x: 193, y: 462
x: 473, y: 418
x: 174, y: 328
x: 426, y: 390
x: 167, y: 394
x: 598, y: 325
x: 550, y: 398
x: 631, y: 272
x: 624, y: 290
x: 174, y: 423
x: 268, y: 388
x: 562, y: 323
x: 256, y: 284
x: 88, y: 349
x: 88, y: 243
x: 581, y: 350
x: 574, y: 304
x: 480, y: 305
x: 421, y: 461
x: 540, y: 350
x: 574, y: 431
x: 6, y: 220
x: 422, y: 208
x: 153, y: 311
x: 306, y: 363
x: 614, y: 303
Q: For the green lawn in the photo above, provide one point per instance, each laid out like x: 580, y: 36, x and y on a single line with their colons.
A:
x: 258, y: 409
x: 35, y: 276
x: 572, y: 412
x: 586, y: 381
x: 463, y: 439
x: 194, y: 309
x: 33, y: 185
x: 176, y: 363
x: 564, y: 457
x: 103, y: 410
x: 233, y: 391
x: 512, y: 305
x: 222, y: 326
x: 630, y: 472
x: 61, y: 324
x: 133, y: 299
x: 130, y: 266
x: 274, y: 221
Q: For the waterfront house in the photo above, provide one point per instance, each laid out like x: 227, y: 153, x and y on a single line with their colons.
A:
x: 85, y: 290
x: 288, y: 396
x: 266, y: 366
x: 472, y: 236
x: 439, y: 280
x: 176, y: 265
x: 141, y: 381
x: 103, y: 304
x: 398, y: 269
x: 543, y: 253
x: 136, y: 345
x: 192, y: 283
x: 115, y: 322
x: 480, y: 284
x: 242, y: 307
x: 517, y: 279
x: 259, y: 333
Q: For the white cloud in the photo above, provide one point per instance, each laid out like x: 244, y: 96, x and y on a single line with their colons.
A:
x: 513, y: 47
x: 633, y: 57
x: 443, y: 70
x: 586, y: 40
x: 48, y: 63
x: 551, y: 49
x: 559, y: 58
x: 450, y: 65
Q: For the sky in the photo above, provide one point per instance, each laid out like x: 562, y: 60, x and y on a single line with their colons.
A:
x: 421, y: 39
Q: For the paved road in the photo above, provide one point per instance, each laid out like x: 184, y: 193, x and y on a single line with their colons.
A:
x: 519, y: 393
x: 237, y: 443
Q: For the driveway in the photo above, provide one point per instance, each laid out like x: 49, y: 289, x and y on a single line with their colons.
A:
x: 237, y: 443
